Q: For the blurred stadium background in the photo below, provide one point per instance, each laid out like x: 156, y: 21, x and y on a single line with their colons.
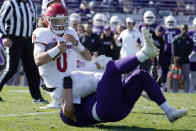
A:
x: 183, y: 10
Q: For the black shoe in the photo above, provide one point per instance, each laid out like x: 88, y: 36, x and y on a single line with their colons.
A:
x: 40, y: 100
x: 1, y: 99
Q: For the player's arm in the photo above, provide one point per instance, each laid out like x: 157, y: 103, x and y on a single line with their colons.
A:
x: 67, y: 105
x: 86, y: 54
x: 78, y: 47
x: 5, y: 16
x: 41, y: 57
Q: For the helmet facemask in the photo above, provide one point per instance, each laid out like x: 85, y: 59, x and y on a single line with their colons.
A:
x: 57, y: 18
x: 170, y: 24
x: 58, y: 24
x: 149, y: 20
x: 99, y: 23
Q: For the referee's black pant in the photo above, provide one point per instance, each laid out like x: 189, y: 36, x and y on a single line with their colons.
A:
x: 22, y: 49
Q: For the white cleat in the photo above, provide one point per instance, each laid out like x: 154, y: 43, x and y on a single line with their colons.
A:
x: 52, y: 106
x: 174, y: 115
x: 102, y: 60
x: 149, y: 48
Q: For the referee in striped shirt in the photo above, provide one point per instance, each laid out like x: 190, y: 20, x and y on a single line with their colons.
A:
x: 17, y: 22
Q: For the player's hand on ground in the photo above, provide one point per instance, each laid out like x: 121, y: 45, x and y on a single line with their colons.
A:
x: 62, y: 46
x: 67, y: 105
x: 71, y: 39
x: 7, y: 42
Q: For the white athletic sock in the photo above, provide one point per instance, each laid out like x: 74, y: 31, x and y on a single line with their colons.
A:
x: 141, y: 56
x: 166, y: 107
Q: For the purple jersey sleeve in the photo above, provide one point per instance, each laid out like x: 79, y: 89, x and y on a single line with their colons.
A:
x: 140, y: 27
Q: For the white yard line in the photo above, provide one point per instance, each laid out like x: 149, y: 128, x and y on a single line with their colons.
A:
x: 155, y: 108
x: 18, y: 91
x: 29, y: 114
x: 45, y: 113
x: 145, y: 107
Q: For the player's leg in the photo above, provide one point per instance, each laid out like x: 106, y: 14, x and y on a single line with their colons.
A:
x: 192, y: 81
x: 175, y: 85
x: 13, y: 57
x: 185, y: 72
x: 2, y: 57
x: 192, y: 59
x: 164, y: 71
x: 110, y: 93
x: 112, y: 103
x: 56, y: 97
x: 31, y: 70
x: 141, y: 80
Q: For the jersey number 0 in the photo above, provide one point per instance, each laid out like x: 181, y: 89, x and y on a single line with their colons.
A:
x: 59, y: 66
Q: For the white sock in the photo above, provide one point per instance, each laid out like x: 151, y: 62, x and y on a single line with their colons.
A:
x: 166, y: 107
x: 141, y: 56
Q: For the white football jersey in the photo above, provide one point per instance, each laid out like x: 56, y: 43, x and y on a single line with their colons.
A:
x: 84, y: 84
x: 130, y: 40
x: 54, y: 71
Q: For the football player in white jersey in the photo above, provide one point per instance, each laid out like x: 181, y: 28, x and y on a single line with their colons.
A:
x: 53, y: 49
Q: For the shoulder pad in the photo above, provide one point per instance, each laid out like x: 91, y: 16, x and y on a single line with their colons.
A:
x: 40, y: 35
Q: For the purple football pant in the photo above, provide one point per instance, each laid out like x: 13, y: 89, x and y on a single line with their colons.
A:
x: 115, y: 98
x: 165, y: 65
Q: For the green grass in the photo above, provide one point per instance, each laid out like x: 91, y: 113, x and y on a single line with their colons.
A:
x: 146, y: 115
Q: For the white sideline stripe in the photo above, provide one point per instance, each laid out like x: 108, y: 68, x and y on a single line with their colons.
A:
x: 29, y: 114
x: 155, y: 108
x: 19, y: 91
x: 145, y: 107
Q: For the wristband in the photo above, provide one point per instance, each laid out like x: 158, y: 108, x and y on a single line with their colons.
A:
x: 79, y: 47
x: 54, y: 52
x: 67, y: 83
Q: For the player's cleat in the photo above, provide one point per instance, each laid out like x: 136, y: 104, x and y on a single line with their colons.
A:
x: 149, y: 50
x: 102, y: 60
x: 40, y: 100
x: 173, y: 115
x: 52, y: 106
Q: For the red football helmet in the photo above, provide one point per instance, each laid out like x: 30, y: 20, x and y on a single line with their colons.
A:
x: 57, y: 18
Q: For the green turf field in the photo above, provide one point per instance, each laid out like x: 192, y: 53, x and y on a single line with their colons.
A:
x: 17, y: 113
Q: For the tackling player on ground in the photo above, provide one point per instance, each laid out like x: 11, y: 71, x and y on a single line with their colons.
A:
x: 114, y: 98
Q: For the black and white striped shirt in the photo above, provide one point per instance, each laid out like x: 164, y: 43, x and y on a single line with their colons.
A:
x: 17, y: 18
